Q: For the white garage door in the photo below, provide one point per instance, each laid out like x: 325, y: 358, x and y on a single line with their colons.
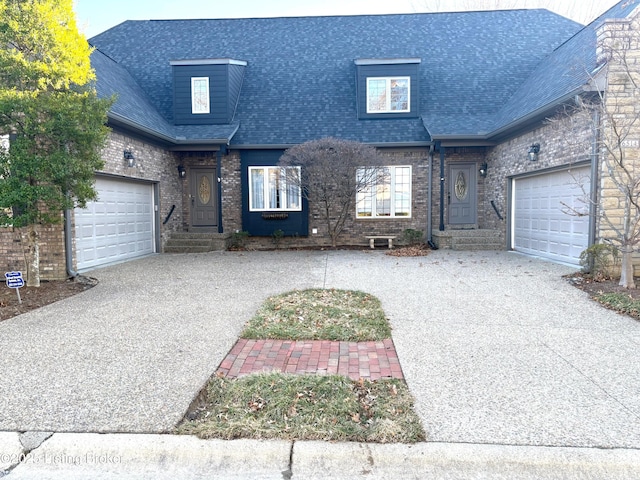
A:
x: 550, y: 215
x: 118, y: 226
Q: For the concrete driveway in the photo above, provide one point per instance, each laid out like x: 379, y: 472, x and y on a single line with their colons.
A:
x: 497, y: 348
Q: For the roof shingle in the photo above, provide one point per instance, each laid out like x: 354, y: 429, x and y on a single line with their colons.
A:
x: 300, y: 76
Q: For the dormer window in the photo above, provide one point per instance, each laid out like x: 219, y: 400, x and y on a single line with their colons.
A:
x: 199, y: 95
x: 206, y: 90
x: 388, y: 94
x: 387, y: 87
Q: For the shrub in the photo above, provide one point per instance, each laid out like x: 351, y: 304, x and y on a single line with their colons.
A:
x: 238, y: 240
x: 600, y: 260
x: 276, y: 236
x: 411, y: 236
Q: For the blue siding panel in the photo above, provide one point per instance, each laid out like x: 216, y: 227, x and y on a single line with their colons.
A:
x: 218, y: 94
x: 296, y: 223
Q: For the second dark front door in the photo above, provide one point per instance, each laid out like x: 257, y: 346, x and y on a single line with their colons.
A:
x: 462, y: 194
x: 204, y: 198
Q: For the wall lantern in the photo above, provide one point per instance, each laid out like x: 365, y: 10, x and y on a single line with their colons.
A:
x: 483, y: 169
x: 129, y: 158
x: 534, y: 150
x: 182, y: 173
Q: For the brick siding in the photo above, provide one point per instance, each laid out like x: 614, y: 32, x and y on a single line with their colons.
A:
x: 153, y: 163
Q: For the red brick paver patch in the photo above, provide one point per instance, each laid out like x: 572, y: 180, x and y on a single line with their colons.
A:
x: 367, y: 360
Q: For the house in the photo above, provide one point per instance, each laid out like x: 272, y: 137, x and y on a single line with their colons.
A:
x: 458, y: 101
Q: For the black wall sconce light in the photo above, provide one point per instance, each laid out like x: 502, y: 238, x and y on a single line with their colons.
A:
x: 534, y: 150
x: 483, y: 169
x: 129, y: 158
x: 182, y: 173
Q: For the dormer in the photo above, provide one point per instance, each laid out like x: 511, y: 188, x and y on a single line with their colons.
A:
x: 206, y: 91
x: 387, y: 87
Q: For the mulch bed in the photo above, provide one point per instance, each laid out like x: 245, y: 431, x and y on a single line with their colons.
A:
x: 595, y: 287
x: 36, y: 297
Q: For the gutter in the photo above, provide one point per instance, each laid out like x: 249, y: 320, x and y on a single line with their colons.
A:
x: 136, y: 126
x: 174, y: 140
x: 540, y: 112
x: 489, y: 139
x: 284, y: 146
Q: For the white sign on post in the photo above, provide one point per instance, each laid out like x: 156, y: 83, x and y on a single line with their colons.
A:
x: 14, y: 280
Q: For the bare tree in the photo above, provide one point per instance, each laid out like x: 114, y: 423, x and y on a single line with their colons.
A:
x: 579, y: 10
x: 613, y: 115
x: 332, y: 172
x: 619, y: 137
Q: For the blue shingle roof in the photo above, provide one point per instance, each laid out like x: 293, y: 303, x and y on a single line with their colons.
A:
x: 562, y: 73
x: 133, y: 106
x: 300, y: 76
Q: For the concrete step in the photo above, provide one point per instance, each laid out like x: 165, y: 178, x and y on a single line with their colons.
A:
x: 181, y: 249
x: 192, y: 242
x: 188, y: 242
x: 477, y: 246
x: 470, y: 239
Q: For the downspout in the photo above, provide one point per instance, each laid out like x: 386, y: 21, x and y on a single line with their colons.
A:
x: 68, y: 246
x: 430, y: 199
x: 595, y: 170
x: 441, y: 148
x: 219, y: 180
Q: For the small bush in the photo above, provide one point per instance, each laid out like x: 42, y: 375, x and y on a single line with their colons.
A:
x: 411, y: 236
x: 277, y: 236
x: 600, y: 261
x: 238, y: 240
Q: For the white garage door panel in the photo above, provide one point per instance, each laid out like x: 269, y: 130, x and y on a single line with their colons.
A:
x: 116, y: 227
x: 541, y: 222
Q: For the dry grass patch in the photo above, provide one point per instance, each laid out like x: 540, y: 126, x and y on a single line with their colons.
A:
x: 305, y: 407
x: 320, y: 314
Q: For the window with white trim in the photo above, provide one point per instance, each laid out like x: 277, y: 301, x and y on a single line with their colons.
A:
x: 274, y: 188
x: 388, y: 94
x: 390, y: 197
x: 200, y: 95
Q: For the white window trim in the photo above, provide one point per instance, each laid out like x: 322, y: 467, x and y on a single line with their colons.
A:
x: 388, y: 92
x: 196, y: 108
x: 392, y: 215
x: 283, y: 191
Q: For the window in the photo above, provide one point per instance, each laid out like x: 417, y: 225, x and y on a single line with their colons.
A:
x: 389, y: 197
x: 269, y: 189
x: 199, y: 95
x: 388, y: 94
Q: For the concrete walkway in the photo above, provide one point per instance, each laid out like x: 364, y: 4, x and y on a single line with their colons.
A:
x: 515, y: 372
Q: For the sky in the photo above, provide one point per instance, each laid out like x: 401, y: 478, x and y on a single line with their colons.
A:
x: 95, y: 16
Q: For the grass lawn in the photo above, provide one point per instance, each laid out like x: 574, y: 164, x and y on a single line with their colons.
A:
x: 309, y: 407
x: 319, y: 314
x: 306, y: 407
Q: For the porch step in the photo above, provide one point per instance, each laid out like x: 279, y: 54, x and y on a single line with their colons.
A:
x: 480, y: 239
x: 189, y: 242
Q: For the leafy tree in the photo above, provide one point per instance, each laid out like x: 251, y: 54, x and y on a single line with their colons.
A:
x: 51, y: 113
x: 331, y: 174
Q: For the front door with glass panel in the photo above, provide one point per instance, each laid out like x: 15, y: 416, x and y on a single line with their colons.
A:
x: 462, y: 194
x: 204, y: 198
